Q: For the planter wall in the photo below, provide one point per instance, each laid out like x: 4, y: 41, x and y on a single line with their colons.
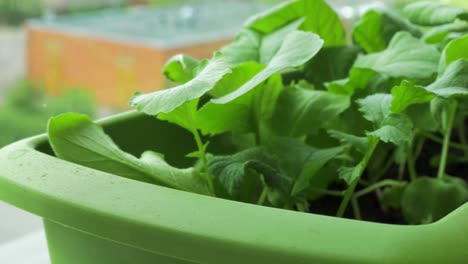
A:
x: 93, y: 217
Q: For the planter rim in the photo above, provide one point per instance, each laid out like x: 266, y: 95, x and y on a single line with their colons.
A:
x: 164, y: 220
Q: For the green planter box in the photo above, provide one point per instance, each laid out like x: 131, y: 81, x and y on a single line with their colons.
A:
x: 94, y: 217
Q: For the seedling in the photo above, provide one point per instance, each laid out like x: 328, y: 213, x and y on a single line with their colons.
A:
x: 313, y: 116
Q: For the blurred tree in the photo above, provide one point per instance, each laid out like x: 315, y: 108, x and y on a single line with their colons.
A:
x: 26, y: 110
x: 14, y: 12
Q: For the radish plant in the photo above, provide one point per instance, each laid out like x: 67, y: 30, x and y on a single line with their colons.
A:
x: 320, y: 124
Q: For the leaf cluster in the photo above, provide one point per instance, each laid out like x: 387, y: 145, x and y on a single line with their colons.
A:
x: 324, y: 116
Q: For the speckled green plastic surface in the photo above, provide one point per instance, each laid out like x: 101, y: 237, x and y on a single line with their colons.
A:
x: 97, y: 218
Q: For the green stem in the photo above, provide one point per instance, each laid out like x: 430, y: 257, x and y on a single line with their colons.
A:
x: 401, y: 170
x: 445, y: 144
x: 328, y: 192
x: 376, y: 186
x: 263, y: 195
x: 201, y: 149
x: 419, y: 147
x: 411, y: 163
x: 441, y: 141
x: 382, y: 172
x: 359, y: 171
x: 356, y: 209
x: 301, y: 208
x: 462, y: 134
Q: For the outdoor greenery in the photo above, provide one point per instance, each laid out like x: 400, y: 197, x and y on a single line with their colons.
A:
x: 26, y: 110
x: 317, y: 119
x: 14, y: 12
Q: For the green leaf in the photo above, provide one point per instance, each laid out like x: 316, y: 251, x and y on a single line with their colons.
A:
x: 184, y: 115
x: 377, y: 27
x: 397, y: 129
x: 319, y: 18
x: 407, y: 94
x: 166, y: 101
x: 392, y: 196
x: 251, y: 46
x: 390, y: 127
x: 244, y: 47
x: 198, y: 153
x: 422, y: 117
x: 360, y: 143
x: 439, y: 33
x: 180, y: 68
x: 296, y: 49
x: 271, y: 42
x: 352, y: 174
x: 439, y: 110
x: 77, y: 139
x: 330, y: 64
x: 182, y: 179
x: 230, y: 172
x: 426, y: 200
x: 314, y: 162
x: 455, y: 49
x: 246, y: 113
x: 405, y: 56
x: 301, y: 111
x: 349, y: 174
x: 433, y: 14
x: 453, y: 82
x: 240, y: 74
x: 358, y: 79
x: 375, y: 107
x: 301, y: 162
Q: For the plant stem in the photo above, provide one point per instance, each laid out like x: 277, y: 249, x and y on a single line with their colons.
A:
x: 328, y: 192
x: 385, y: 168
x: 462, y: 134
x: 419, y: 147
x: 445, y: 145
x: 411, y: 162
x: 359, y: 170
x: 300, y: 207
x: 401, y: 170
x: 201, y: 148
x: 441, y: 141
x: 356, y: 209
x: 263, y: 195
x: 378, y: 185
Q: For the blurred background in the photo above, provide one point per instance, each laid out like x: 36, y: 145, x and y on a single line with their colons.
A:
x: 90, y: 56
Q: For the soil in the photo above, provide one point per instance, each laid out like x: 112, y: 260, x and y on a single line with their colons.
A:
x: 370, y: 207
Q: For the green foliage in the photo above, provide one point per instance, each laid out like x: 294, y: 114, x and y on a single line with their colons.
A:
x: 319, y: 19
x: 319, y: 113
x: 180, y: 68
x: 300, y: 111
x: 26, y: 109
x: 392, y: 196
x: 15, y: 12
x: 407, y: 94
x: 231, y: 172
x: 247, y: 113
x: 433, y: 14
x: 404, y: 51
x: 376, y: 28
x: 76, y: 138
x: 426, y: 200
x: 165, y: 101
x: 297, y: 48
x: 389, y: 127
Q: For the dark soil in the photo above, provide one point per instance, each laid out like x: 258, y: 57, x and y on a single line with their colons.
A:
x: 370, y: 207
